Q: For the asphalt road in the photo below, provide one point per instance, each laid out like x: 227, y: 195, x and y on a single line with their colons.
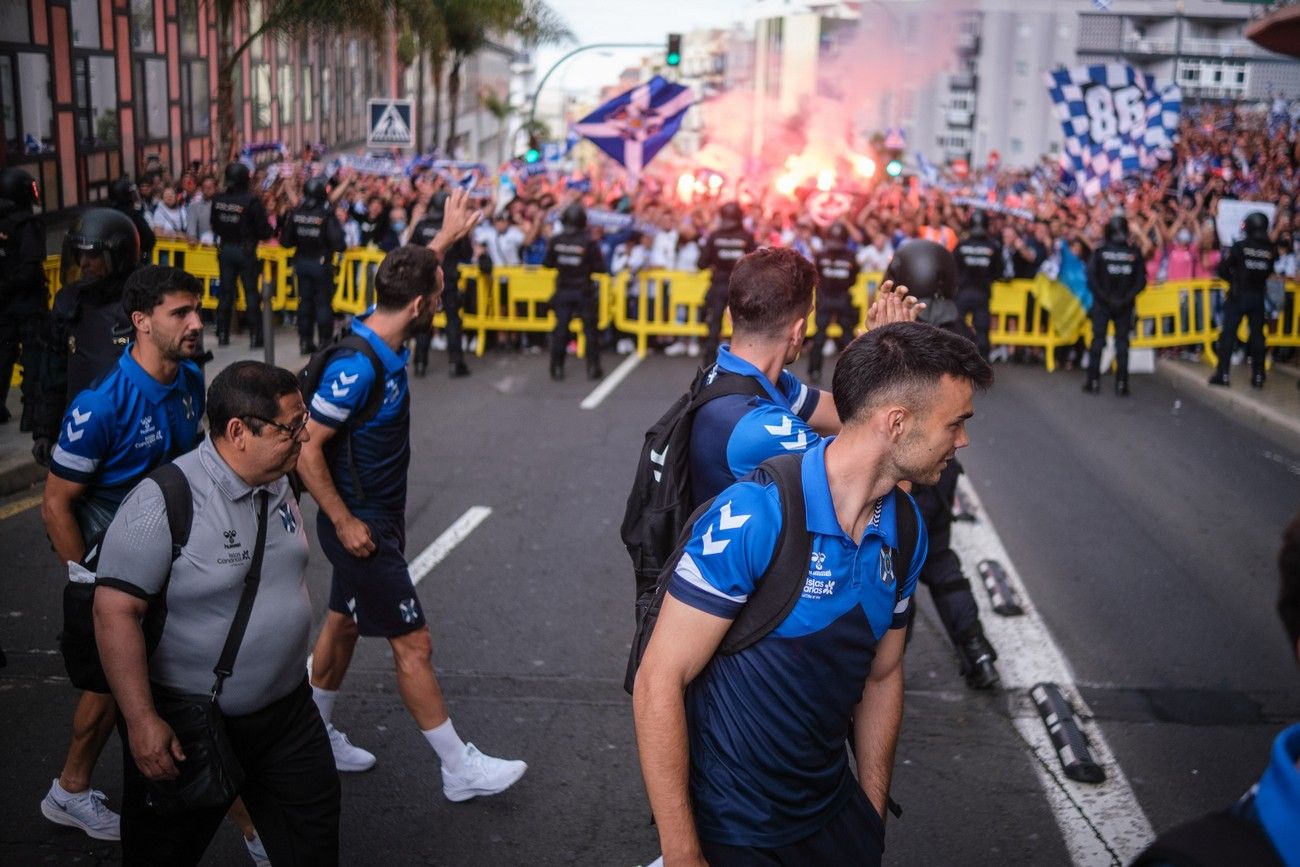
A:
x: 1145, y: 537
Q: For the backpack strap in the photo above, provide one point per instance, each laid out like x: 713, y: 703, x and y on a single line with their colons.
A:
x: 178, y: 501
x: 374, y: 400
x: 1219, y: 838
x: 723, y: 386
x: 778, y: 590
x: 909, y: 534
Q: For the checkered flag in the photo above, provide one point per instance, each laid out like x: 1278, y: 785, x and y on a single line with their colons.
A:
x: 1116, y: 123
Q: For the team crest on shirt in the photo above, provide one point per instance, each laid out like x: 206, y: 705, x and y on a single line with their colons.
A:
x: 409, y: 609
x: 286, y: 516
x: 886, y: 564
x: 391, y: 391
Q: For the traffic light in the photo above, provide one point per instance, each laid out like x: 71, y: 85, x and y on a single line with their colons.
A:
x: 673, y: 56
x: 894, y: 168
x: 533, y: 154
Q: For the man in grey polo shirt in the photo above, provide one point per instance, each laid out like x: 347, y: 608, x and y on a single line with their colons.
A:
x: 257, y: 421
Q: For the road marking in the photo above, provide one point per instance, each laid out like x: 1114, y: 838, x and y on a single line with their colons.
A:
x: 19, y: 506
x: 611, y: 382
x: 1103, y: 823
x: 450, y: 538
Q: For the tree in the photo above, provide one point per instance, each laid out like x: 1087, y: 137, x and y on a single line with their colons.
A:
x: 500, y: 108
x: 280, y: 19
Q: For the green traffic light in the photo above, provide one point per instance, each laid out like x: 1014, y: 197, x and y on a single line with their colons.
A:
x: 532, y: 156
x: 894, y: 168
x: 674, y: 59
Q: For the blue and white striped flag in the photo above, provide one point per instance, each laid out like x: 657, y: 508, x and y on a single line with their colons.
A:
x: 635, y: 125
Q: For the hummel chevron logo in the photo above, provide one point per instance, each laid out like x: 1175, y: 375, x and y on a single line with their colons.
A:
x: 74, y: 435
x: 344, y: 379
x: 784, y: 429
x: 796, y: 444
x: 727, y: 522
x: 712, y: 547
x: 78, y: 418
x: 659, y: 458
x: 780, y: 430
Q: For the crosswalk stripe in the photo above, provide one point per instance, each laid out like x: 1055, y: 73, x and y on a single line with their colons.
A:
x: 19, y: 506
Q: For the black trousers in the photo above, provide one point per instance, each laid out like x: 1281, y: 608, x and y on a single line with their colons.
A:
x: 292, y: 793
x: 451, y: 304
x: 976, y: 303
x: 1236, y: 306
x: 942, y: 572
x: 715, y: 306
x: 22, y: 320
x: 238, y: 262
x: 568, y: 304
x: 315, y: 299
x: 837, y: 308
x: 1102, y: 314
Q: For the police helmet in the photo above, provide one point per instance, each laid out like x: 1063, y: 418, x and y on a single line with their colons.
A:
x: 237, y: 177
x: 574, y: 218
x: 19, y: 188
x: 837, y: 234
x: 927, y: 269
x: 1256, y: 225
x: 730, y: 214
x: 979, y: 223
x: 315, y: 191
x: 1117, y: 229
x: 103, y: 232
x: 122, y: 193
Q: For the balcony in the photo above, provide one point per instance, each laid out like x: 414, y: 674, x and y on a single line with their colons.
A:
x: 959, y: 118
x: 963, y: 81
x: 1168, y: 46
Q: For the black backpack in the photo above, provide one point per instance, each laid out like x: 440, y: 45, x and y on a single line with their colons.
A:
x: 778, y: 590
x: 1216, y: 840
x: 660, y: 500
x: 77, y: 640
x: 309, y: 379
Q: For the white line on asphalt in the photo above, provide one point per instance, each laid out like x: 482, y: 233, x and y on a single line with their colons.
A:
x: 1103, y: 823
x: 611, y: 382
x: 17, y: 507
x: 450, y: 538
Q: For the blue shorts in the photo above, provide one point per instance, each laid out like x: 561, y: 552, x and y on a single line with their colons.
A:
x: 854, y: 836
x: 375, y: 591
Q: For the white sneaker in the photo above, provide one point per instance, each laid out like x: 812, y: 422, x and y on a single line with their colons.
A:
x: 626, y: 346
x: 677, y: 347
x: 258, y: 851
x: 828, y: 349
x: 346, y: 756
x: 85, y: 810
x: 480, y: 775
x: 693, y: 348
x: 439, y: 342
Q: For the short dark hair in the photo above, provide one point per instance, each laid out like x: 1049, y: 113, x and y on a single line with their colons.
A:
x: 902, y: 362
x: 769, y: 288
x: 1288, y: 566
x: 147, y: 286
x: 244, y: 389
x: 405, y: 274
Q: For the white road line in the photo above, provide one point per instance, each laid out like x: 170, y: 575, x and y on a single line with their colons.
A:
x: 1101, y: 824
x: 450, y: 538
x: 611, y: 382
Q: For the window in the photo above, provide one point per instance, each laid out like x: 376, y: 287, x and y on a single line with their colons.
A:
x: 187, y: 14
x: 142, y: 35
x: 285, y: 93
x: 25, y: 95
x: 95, y: 91
x: 85, y: 23
x: 194, y: 96
x: 325, y: 93
x: 261, y: 95
x: 254, y: 23
x: 151, y: 92
x: 15, y: 24
x: 306, y: 101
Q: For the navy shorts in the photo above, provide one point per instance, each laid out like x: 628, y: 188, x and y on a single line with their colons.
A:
x: 854, y: 836
x: 375, y: 591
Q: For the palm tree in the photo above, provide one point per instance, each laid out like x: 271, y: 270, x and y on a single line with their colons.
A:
x: 500, y: 108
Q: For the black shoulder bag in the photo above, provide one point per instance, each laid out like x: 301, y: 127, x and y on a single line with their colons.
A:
x: 210, y: 776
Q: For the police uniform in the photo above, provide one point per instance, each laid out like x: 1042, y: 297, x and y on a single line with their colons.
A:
x: 315, y: 235
x: 767, y: 725
x: 24, y: 296
x: 837, y: 271
x: 721, y: 251
x: 1247, y: 267
x: 135, y: 212
x: 979, y: 258
x: 1116, y: 274
x: 239, y: 222
x: 461, y: 253
x: 576, y: 257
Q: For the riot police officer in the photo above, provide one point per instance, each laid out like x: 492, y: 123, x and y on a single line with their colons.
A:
x: 461, y: 253
x: 87, y: 327
x: 837, y: 271
x: 23, y: 289
x: 315, y: 235
x: 1116, y: 274
x: 1247, y: 267
x: 722, y: 250
x: 239, y: 222
x: 930, y: 273
x: 576, y: 256
x: 123, y: 196
x: 979, y: 258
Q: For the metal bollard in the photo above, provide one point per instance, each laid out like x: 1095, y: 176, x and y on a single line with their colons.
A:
x: 1066, y: 733
x: 963, y: 509
x: 268, y: 323
x: 999, y: 589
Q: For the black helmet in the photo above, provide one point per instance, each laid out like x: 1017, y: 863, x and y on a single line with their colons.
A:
x: 315, y: 191
x: 979, y: 223
x: 19, y: 188
x: 730, y: 214
x: 574, y: 218
x: 237, y: 176
x: 122, y: 194
x: 1256, y: 225
x: 837, y: 234
x: 101, y: 232
x: 1117, y: 229
x: 927, y: 269
x: 437, y: 206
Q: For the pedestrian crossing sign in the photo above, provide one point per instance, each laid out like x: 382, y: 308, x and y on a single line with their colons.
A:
x: 390, y: 123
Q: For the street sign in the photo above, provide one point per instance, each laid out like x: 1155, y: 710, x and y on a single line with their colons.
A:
x: 391, y: 123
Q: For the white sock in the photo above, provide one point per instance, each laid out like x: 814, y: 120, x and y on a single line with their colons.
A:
x: 447, y: 744
x: 61, y: 794
x: 324, y: 699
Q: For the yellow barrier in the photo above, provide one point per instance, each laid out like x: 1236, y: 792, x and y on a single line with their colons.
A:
x: 516, y: 298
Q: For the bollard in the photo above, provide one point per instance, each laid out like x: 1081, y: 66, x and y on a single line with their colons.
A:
x: 963, y: 509
x: 268, y: 322
x: 999, y: 589
x: 1066, y: 733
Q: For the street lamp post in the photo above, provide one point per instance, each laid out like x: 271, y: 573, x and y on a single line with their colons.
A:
x: 532, y: 102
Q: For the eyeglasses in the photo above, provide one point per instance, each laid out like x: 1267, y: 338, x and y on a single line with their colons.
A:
x: 292, y: 431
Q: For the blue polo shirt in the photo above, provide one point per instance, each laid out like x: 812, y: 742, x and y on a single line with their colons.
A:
x: 732, y: 435
x: 767, y: 725
x: 1274, y: 802
x: 115, y: 432
x: 383, y: 444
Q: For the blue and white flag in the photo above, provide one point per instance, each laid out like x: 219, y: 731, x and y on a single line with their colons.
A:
x: 635, y: 125
x: 1116, y: 122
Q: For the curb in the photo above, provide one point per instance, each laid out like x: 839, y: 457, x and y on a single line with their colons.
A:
x: 1232, y: 401
x: 18, y: 472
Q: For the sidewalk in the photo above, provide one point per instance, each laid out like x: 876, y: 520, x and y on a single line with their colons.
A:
x: 1275, y: 407
x: 19, y: 471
